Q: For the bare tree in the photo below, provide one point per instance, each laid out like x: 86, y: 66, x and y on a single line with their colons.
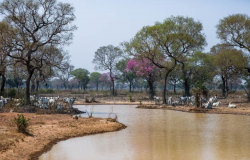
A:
x: 37, y: 24
x: 106, y: 58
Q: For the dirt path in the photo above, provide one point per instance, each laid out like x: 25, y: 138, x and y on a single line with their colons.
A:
x: 46, y: 130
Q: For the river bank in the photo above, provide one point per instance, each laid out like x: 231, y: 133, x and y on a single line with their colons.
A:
x: 190, y: 109
x: 45, y: 131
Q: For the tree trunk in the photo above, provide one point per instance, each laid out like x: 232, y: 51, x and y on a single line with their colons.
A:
x: 130, y: 85
x: 174, y: 88
x: 33, y: 88
x: 113, y: 85
x: 164, y: 101
x: 151, y: 90
x: 27, y: 91
x: 97, y: 86
x: 226, y: 87
x: 2, y: 84
x: 113, y: 82
x: 186, y: 87
x: 37, y: 86
x: 223, y: 86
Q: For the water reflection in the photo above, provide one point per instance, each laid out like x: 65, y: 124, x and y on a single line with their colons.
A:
x: 160, y: 134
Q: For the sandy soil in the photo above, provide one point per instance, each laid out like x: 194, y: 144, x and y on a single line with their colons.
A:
x: 45, y: 131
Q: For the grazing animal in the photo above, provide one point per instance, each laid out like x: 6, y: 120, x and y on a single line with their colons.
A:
x: 207, y: 105
x: 230, y: 105
x: 216, y: 104
x: 1, y: 104
x: 213, y: 99
x: 183, y: 100
x: 75, y: 117
x: 71, y: 101
x: 190, y: 100
x: 175, y: 103
x: 59, y: 106
x: 52, y: 102
x: 43, y: 106
x: 170, y: 100
x: 157, y: 100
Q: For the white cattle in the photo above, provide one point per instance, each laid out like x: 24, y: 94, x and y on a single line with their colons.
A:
x: 70, y: 101
x: 170, y: 100
x: 43, y: 106
x: 175, y: 103
x: 183, y: 100
x: 213, y: 99
x: 1, y: 104
x: 230, y: 105
x: 216, y: 104
x: 207, y: 105
x: 59, y: 106
x: 52, y: 102
x: 190, y: 100
x: 157, y: 100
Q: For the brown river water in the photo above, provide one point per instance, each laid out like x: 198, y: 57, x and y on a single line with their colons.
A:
x: 160, y: 135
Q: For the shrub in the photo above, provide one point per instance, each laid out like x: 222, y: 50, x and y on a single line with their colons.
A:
x: 42, y: 91
x: 22, y: 123
x: 10, y: 93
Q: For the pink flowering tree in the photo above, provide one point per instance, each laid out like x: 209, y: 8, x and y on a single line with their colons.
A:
x: 146, y: 70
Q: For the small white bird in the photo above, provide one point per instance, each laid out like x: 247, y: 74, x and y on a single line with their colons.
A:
x: 230, y: 105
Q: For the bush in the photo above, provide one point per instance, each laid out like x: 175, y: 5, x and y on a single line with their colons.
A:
x: 42, y: 91
x: 10, y: 93
x: 22, y: 123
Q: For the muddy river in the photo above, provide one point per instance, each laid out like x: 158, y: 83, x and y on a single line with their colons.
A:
x: 160, y: 135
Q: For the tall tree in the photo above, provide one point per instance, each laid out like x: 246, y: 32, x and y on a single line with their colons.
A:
x: 168, y: 43
x: 94, y: 78
x: 106, y: 58
x: 230, y: 63
x: 146, y: 70
x: 234, y: 30
x: 125, y: 76
x: 38, y: 24
x: 4, y: 59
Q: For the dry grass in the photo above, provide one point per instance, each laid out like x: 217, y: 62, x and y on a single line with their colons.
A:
x: 46, y: 130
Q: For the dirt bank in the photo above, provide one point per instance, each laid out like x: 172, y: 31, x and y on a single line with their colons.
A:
x: 46, y: 130
x: 215, y: 110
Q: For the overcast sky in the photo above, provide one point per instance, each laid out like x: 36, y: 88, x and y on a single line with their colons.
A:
x: 104, y: 22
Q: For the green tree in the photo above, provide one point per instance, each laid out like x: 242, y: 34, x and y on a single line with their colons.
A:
x: 230, y: 63
x: 234, y: 30
x: 39, y: 25
x: 125, y: 76
x: 106, y: 58
x: 94, y: 78
x: 82, y: 76
x: 168, y: 43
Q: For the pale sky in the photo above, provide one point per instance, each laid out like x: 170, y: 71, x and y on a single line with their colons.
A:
x: 104, y: 22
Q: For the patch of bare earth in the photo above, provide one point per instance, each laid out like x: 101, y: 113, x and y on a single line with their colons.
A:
x: 45, y: 131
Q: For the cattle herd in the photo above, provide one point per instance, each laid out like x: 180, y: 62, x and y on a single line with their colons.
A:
x: 42, y: 102
x: 206, y: 103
